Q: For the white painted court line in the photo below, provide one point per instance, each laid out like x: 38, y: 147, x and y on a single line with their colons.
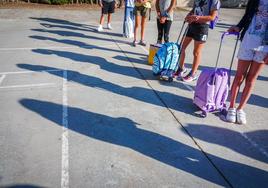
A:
x: 144, y: 49
x: 56, y: 47
x: 2, y: 78
x: 254, y: 144
x: 27, y: 72
x: 28, y: 85
x: 65, y: 135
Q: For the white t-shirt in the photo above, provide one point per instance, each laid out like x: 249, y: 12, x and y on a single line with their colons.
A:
x: 255, y: 35
x: 130, y: 3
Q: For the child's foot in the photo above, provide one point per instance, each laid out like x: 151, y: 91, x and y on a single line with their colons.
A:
x: 134, y: 43
x: 100, y: 28
x: 142, y: 42
x: 180, y: 73
x: 231, y: 115
x: 241, y: 117
x: 109, y: 26
x: 159, y: 42
x: 189, y: 77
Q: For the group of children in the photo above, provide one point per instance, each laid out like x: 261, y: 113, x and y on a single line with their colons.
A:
x: 252, y: 55
x: 198, y: 19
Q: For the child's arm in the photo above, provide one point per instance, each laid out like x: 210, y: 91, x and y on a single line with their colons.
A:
x: 201, y: 19
x: 172, y: 5
x: 118, y: 3
x: 157, y: 7
x: 100, y: 3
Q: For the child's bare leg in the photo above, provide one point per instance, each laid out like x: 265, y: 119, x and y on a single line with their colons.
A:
x: 137, y: 21
x: 143, y: 22
x: 252, y: 75
x: 198, y: 46
x: 241, y: 72
x: 185, y: 44
x: 101, y: 19
x: 109, y: 18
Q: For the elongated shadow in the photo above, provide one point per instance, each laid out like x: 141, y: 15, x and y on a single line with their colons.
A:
x: 70, y: 27
x: 60, y: 21
x: 79, y: 35
x: 230, y: 139
x: 82, y: 44
x: 64, y: 24
x: 146, y: 95
x: 96, y: 60
x: 124, y: 132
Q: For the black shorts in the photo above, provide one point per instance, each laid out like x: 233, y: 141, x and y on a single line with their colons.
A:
x: 141, y: 11
x: 108, y: 8
x: 199, y: 32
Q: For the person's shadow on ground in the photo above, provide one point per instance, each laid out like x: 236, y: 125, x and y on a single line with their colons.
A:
x: 125, y: 132
x: 143, y: 94
x: 231, y: 139
x: 84, y: 45
x: 65, y: 24
x: 126, y: 69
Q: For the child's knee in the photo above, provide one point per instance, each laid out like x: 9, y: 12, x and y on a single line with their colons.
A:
x: 196, y: 53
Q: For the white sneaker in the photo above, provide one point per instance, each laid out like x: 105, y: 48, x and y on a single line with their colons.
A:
x: 100, y: 29
x: 231, y: 115
x: 109, y: 26
x: 241, y: 117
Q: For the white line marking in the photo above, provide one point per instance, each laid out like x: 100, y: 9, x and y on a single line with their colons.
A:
x: 2, y: 78
x: 144, y: 49
x: 29, y: 85
x: 253, y: 143
x: 27, y: 72
x: 57, y: 47
x: 65, y: 135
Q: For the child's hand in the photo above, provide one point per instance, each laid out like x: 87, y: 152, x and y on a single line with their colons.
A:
x: 100, y: 4
x: 163, y: 20
x: 117, y: 5
x: 233, y: 29
x: 158, y: 14
x: 191, y: 18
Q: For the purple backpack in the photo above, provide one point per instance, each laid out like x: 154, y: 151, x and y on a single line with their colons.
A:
x: 212, y: 87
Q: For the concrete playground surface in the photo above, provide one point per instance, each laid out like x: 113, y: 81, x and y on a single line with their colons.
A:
x: 80, y: 108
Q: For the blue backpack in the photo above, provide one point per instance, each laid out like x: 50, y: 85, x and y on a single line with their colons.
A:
x: 166, y: 60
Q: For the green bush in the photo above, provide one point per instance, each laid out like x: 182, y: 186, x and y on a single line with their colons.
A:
x: 41, y: 1
x: 59, y: 2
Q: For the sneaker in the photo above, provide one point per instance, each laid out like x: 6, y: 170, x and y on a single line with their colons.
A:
x: 241, y: 117
x: 180, y: 73
x: 159, y: 42
x: 100, y: 29
x: 109, y: 26
x: 189, y: 77
x: 231, y: 115
x: 134, y: 43
x: 142, y: 43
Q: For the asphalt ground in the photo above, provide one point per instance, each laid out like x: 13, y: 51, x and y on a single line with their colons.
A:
x: 82, y: 109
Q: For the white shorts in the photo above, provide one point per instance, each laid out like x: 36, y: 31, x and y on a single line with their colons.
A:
x: 249, y: 49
